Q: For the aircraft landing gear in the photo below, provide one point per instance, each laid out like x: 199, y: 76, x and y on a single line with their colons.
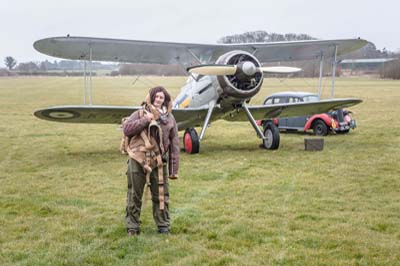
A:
x: 191, y: 143
x: 271, y: 136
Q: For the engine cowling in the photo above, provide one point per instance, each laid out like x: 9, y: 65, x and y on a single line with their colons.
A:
x: 247, y: 80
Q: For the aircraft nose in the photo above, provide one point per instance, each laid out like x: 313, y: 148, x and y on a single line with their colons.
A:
x: 249, y: 68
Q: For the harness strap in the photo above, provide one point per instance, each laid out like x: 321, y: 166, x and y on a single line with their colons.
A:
x: 134, y: 155
x: 149, y: 155
x: 160, y: 182
x: 139, y: 149
x: 148, y: 178
x: 147, y: 168
x: 146, y: 140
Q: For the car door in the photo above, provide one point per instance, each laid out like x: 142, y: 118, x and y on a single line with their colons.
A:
x: 282, y: 120
x: 295, y: 122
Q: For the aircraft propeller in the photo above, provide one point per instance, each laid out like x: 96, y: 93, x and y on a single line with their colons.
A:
x: 246, y: 67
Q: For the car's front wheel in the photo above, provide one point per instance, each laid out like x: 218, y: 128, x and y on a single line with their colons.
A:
x: 320, y: 128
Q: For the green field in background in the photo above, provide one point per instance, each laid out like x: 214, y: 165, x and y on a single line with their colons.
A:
x: 63, y: 186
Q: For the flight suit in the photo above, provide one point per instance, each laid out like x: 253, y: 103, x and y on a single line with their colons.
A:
x: 136, y: 185
x: 137, y: 177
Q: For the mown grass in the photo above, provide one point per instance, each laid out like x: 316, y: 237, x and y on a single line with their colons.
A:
x: 63, y: 186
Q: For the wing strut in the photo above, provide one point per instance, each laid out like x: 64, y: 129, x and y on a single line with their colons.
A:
x: 90, y: 75
x: 334, y: 64
x: 194, y: 55
x: 211, y: 106
x: 84, y: 82
x: 321, y: 69
x: 85, y: 78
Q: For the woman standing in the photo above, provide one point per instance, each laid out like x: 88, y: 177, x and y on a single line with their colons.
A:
x: 153, y: 142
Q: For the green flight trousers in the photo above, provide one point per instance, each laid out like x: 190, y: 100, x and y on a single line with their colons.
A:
x: 136, y: 185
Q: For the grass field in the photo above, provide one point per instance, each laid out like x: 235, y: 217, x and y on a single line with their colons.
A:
x: 63, y: 186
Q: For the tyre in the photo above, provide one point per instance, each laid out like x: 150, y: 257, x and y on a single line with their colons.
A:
x: 320, y: 128
x: 271, y: 132
x: 191, y: 142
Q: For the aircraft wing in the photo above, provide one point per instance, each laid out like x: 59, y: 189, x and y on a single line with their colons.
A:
x: 292, y: 109
x: 133, y: 51
x: 305, y: 50
x: 103, y: 114
x: 98, y: 114
x: 188, y: 117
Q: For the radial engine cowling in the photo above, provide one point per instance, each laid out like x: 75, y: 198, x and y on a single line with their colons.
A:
x: 247, y: 80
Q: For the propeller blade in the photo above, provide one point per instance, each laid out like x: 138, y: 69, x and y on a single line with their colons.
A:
x: 280, y: 70
x: 215, y: 70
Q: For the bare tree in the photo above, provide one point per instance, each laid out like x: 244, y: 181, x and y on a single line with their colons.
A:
x: 27, y: 67
x: 263, y: 36
x: 10, y: 62
x: 391, y: 70
x: 43, y: 66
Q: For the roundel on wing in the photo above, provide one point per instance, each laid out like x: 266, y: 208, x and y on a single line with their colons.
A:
x: 60, y: 114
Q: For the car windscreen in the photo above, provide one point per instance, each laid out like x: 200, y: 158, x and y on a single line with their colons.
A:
x: 310, y: 98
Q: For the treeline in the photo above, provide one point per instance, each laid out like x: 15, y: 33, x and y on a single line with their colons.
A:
x: 73, y: 65
x: 369, y: 51
x: 263, y: 36
x: 150, y: 69
x: 55, y: 68
x: 67, y: 65
x: 391, y: 70
x: 65, y: 73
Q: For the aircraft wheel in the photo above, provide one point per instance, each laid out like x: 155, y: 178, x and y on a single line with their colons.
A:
x: 271, y: 132
x: 320, y: 128
x: 191, y: 142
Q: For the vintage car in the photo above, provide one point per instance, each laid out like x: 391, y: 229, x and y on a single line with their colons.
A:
x: 337, y: 121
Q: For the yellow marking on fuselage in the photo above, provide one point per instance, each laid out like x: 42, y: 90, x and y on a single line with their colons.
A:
x: 185, y: 103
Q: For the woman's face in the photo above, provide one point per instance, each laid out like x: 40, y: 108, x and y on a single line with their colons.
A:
x: 159, y: 99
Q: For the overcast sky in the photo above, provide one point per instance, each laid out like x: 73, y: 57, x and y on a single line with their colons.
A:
x: 205, y: 21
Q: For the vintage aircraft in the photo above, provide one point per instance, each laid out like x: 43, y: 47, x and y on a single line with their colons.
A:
x: 223, y: 78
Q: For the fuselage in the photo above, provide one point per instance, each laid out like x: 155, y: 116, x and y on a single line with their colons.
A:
x: 226, y: 92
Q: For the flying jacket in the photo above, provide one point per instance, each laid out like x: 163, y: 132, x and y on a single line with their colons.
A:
x: 135, y: 124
